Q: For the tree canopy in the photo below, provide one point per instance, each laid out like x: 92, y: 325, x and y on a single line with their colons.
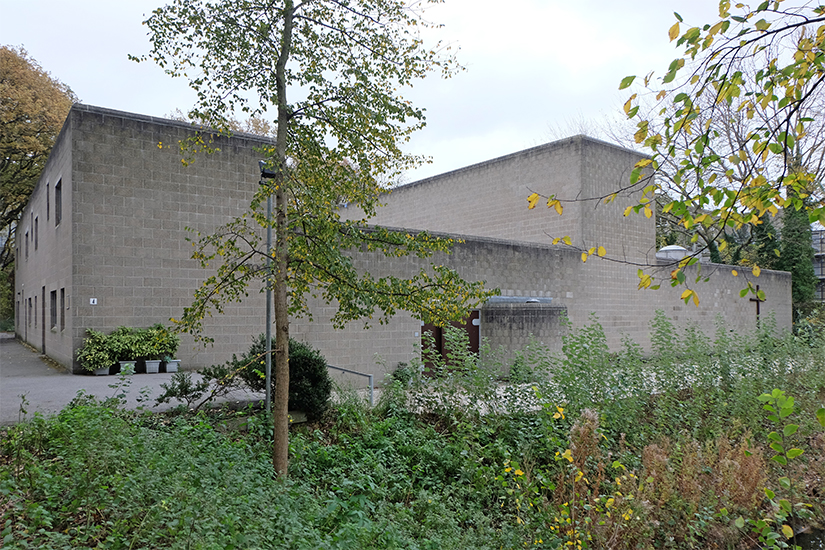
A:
x: 331, y: 73
x: 33, y: 106
x: 737, y: 129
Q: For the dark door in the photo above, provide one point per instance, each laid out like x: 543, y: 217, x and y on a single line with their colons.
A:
x: 469, y: 324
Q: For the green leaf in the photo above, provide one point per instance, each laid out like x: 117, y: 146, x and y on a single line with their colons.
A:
x: 790, y: 429
x: 820, y: 416
x: 793, y: 453
x: 626, y: 82
x: 740, y: 522
x: 785, y: 482
x: 779, y: 459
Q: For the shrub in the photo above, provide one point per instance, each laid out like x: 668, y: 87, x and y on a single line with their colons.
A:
x: 97, y: 352
x: 309, y: 383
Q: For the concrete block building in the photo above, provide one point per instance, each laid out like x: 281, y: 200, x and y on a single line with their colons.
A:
x: 103, y: 243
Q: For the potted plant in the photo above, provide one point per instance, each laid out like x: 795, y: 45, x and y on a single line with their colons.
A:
x: 156, y: 342
x: 96, y: 355
x: 124, y: 344
x: 168, y: 343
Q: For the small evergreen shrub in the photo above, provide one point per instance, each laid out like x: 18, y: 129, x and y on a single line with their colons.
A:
x: 309, y: 383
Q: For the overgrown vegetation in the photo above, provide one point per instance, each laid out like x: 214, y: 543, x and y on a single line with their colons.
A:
x: 587, y: 449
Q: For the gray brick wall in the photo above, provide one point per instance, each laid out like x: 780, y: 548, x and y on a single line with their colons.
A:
x: 127, y: 204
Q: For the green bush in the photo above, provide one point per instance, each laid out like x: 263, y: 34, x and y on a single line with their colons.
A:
x: 97, y: 352
x: 309, y: 383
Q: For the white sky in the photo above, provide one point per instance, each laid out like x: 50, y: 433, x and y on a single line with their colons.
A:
x: 531, y: 64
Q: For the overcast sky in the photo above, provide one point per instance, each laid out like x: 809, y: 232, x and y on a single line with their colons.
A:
x: 532, y: 65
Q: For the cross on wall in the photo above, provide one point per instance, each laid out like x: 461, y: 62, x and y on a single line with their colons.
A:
x: 758, y: 303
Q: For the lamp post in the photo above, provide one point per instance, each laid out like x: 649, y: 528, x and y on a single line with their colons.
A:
x: 267, y: 173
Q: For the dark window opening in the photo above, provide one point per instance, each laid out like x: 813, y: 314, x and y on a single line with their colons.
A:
x: 58, y: 202
x: 53, y: 309
x: 62, y: 308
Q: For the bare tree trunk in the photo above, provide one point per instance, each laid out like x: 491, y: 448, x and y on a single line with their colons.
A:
x: 280, y: 400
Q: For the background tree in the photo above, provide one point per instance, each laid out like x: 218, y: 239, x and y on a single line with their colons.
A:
x: 797, y: 256
x: 33, y: 106
x: 331, y: 71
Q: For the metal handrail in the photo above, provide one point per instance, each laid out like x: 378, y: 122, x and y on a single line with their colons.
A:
x: 359, y: 374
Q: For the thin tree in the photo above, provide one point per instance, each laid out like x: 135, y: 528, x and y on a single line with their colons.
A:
x: 332, y: 70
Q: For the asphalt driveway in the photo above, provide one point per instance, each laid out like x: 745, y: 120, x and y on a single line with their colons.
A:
x: 30, y: 384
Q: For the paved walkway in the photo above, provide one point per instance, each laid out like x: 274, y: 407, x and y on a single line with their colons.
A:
x: 47, y: 390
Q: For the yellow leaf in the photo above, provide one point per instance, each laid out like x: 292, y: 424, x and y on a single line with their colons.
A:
x: 686, y: 294
x: 648, y: 212
x: 567, y: 240
x: 787, y: 531
x: 628, y: 210
x: 673, y: 33
x: 602, y: 252
x: 756, y: 271
x: 558, y: 207
x: 642, y: 163
x: 584, y: 256
x: 695, y: 299
x: 734, y: 272
x: 628, y: 104
x: 533, y: 200
x: 556, y: 240
x: 661, y: 95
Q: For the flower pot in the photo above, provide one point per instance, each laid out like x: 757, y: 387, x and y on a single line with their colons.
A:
x: 172, y: 365
x: 101, y: 372
x: 152, y: 366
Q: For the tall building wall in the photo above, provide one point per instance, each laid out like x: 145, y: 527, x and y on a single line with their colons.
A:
x: 490, y: 199
x: 128, y: 202
x: 43, y: 257
x: 130, y: 205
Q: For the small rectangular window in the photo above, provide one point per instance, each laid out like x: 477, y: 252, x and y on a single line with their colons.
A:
x: 53, y: 309
x: 48, y: 202
x: 36, y: 232
x: 35, y: 311
x: 30, y: 312
x: 62, y: 308
x: 58, y: 202
x: 27, y: 245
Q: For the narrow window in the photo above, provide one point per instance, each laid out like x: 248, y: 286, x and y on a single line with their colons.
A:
x: 35, y: 311
x: 62, y: 308
x: 48, y: 202
x: 53, y: 309
x: 30, y: 312
x: 58, y: 202
x: 27, y: 245
x: 36, y: 232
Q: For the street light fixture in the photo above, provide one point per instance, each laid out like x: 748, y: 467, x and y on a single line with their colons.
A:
x: 268, y: 173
